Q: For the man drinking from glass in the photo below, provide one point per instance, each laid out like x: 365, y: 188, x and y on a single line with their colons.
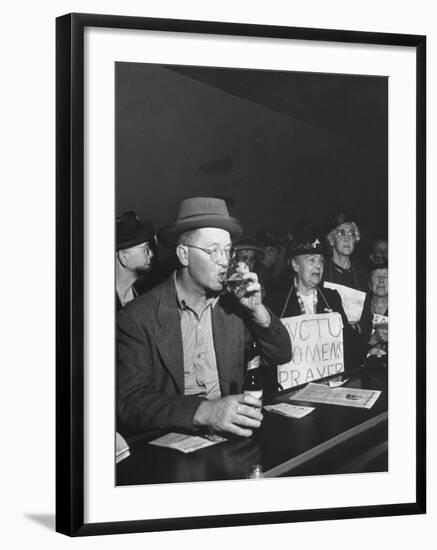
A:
x: 181, y: 347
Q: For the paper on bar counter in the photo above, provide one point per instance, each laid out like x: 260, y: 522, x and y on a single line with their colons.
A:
x: 287, y: 409
x: 337, y: 383
x: 347, y: 397
x: 186, y: 443
x: 121, y: 448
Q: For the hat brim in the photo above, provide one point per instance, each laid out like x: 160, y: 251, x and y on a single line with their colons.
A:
x: 255, y: 248
x: 300, y: 252
x: 168, y: 234
x: 337, y: 222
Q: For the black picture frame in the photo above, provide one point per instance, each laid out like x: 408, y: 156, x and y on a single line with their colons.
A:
x: 70, y: 312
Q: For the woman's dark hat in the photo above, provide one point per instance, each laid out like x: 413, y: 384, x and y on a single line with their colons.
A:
x: 375, y: 267
x: 307, y: 243
x: 198, y: 212
x: 339, y: 218
x: 131, y: 231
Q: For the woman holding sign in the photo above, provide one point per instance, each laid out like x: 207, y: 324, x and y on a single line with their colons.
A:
x: 306, y: 297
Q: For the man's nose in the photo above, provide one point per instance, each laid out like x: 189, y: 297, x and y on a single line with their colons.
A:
x: 224, y: 260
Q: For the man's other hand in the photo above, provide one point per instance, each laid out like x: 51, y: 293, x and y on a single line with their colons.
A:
x: 236, y: 414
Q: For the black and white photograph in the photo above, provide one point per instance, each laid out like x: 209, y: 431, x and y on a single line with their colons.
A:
x: 210, y: 211
x: 251, y: 273
x: 229, y: 199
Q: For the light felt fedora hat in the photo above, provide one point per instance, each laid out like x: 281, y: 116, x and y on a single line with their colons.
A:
x: 198, y: 212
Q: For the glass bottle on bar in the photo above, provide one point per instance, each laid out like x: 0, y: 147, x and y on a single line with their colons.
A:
x: 256, y: 472
x: 253, y: 381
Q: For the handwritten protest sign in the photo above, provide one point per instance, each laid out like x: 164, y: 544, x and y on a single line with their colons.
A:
x: 317, y: 348
x: 352, y: 300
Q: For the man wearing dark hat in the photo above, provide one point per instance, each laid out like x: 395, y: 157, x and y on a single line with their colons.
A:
x: 277, y: 272
x: 181, y: 346
x: 135, y: 245
x: 274, y: 250
x: 246, y: 250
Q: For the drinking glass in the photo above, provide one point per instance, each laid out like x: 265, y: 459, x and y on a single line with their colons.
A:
x: 234, y: 281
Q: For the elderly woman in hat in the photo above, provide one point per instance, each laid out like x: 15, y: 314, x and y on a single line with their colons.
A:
x: 378, y: 343
x: 181, y: 346
x: 343, y: 236
x: 135, y: 251
x: 305, y: 294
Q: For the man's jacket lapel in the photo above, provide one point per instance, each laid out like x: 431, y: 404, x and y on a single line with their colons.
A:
x: 168, y: 335
x: 226, y: 341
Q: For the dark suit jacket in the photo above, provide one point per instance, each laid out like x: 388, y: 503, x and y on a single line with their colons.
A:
x: 358, y: 278
x: 140, y: 287
x: 150, y: 371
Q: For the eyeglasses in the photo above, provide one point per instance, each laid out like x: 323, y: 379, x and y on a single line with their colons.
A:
x: 146, y: 247
x: 342, y: 234
x: 216, y: 253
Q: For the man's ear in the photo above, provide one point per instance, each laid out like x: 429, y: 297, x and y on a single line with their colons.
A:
x: 294, y: 265
x: 182, y: 254
x: 121, y: 255
x: 330, y: 240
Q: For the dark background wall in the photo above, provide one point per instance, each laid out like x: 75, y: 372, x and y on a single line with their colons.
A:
x: 279, y: 146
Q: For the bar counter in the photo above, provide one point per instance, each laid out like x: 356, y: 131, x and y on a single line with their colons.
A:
x: 331, y: 439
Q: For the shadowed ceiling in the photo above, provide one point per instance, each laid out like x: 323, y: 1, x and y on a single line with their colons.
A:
x: 279, y: 146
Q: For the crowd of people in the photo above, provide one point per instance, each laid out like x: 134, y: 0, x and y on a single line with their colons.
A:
x: 182, y: 344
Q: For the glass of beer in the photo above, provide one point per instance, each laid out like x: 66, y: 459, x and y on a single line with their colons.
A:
x: 234, y: 281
